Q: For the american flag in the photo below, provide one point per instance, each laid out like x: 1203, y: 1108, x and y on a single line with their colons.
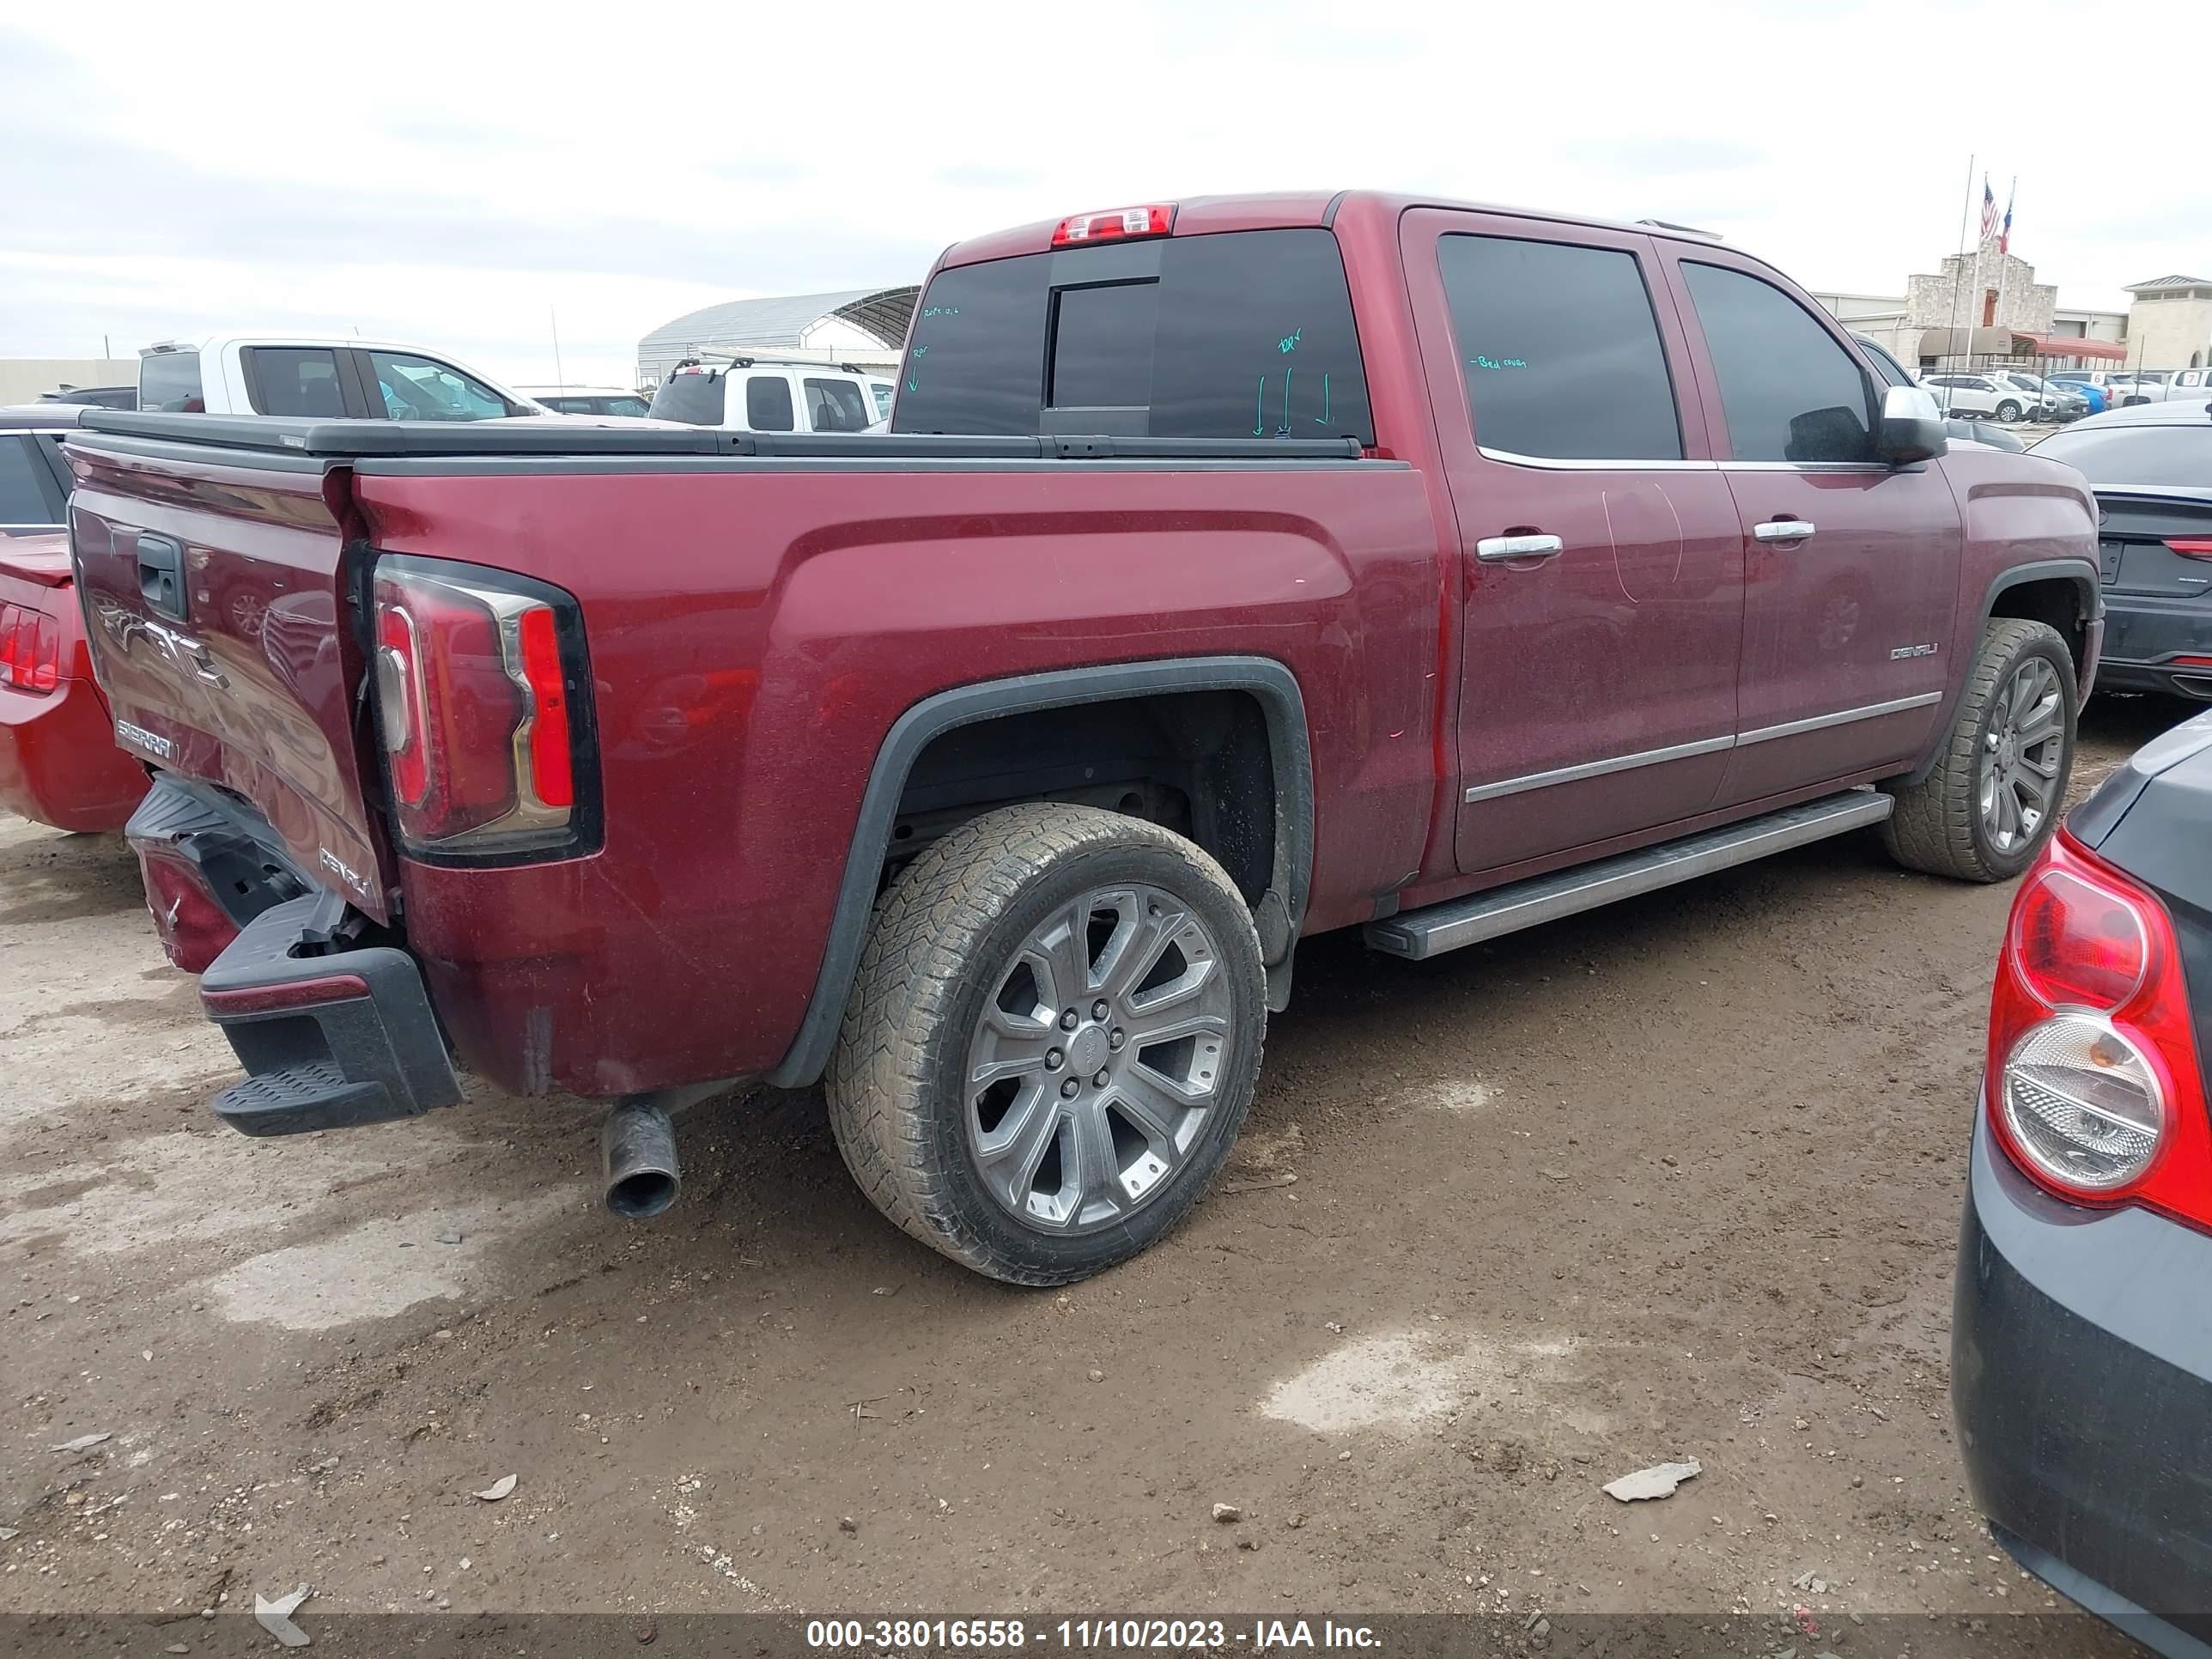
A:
x: 1989, y: 210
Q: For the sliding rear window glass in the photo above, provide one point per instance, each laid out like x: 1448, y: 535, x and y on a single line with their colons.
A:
x: 1241, y: 335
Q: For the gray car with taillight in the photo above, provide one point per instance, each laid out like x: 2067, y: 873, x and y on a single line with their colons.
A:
x: 2151, y: 467
x: 2082, y: 1329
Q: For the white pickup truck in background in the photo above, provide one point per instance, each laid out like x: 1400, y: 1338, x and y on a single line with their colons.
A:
x: 345, y: 378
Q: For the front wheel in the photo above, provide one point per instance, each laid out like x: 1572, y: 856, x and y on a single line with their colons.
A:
x: 2008, y: 413
x: 1993, y: 795
x: 1052, y: 1041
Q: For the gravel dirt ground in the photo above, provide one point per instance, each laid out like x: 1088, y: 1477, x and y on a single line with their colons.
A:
x: 1677, y: 1180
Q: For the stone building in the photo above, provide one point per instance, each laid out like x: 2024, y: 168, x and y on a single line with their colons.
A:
x: 2170, y: 324
x: 1988, y: 290
x: 1981, y: 308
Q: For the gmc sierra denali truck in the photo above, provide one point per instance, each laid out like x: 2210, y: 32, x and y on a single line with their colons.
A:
x: 1235, y: 571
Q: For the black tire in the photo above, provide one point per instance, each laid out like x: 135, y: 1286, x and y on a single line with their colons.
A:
x: 1937, y: 826
x: 2008, y: 413
x: 944, y: 937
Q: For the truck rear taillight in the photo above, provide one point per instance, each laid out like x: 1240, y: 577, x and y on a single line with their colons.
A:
x: 30, y: 649
x: 1115, y: 225
x: 482, y: 699
x: 2094, y: 1085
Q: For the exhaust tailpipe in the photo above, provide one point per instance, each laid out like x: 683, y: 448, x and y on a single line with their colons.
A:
x: 637, y: 1149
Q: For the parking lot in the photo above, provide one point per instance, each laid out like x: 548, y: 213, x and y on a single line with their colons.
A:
x: 1677, y: 1179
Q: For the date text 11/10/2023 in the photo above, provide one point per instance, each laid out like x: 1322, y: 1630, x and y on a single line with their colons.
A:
x: 1088, y: 1635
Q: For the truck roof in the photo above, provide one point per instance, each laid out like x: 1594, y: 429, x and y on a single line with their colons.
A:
x: 1201, y: 215
x: 311, y: 342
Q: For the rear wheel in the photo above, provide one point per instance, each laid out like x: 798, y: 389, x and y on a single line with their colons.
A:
x: 1053, y: 1040
x: 1994, y: 796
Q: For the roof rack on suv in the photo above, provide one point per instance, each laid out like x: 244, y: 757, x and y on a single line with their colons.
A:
x: 750, y: 359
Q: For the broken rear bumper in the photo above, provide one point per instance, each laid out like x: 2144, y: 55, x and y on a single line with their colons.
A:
x: 329, y: 1038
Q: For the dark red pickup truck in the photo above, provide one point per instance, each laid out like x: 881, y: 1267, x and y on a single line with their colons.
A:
x: 1235, y: 571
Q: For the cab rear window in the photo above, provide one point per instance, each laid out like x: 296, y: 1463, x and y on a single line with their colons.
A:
x: 1246, y: 334
x: 170, y: 381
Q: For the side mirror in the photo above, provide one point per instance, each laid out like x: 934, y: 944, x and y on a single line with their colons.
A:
x: 1912, y: 427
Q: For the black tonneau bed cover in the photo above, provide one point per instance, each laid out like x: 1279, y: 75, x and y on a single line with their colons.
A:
x: 529, y: 438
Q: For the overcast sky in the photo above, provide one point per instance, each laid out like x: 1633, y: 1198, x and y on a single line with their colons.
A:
x: 455, y: 174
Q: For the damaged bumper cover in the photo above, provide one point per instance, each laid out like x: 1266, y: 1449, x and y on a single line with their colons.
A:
x: 328, y: 1038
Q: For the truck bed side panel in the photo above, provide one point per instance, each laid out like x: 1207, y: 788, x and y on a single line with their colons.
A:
x: 755, y: 629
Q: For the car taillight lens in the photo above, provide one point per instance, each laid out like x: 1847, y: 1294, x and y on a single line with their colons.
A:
x: 2193, y: 550
x: 1115, y: 225
x: 2078, y: 943
x: 480, y: 681
x: 551, y: 771
x: 30, y: 649
x: 191, y: 925
x: 2082, y: 1102
x: 2093, y: 1086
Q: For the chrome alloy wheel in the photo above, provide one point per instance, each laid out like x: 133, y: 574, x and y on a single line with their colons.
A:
x: 1096, y: 1059
x: 2023, y: 755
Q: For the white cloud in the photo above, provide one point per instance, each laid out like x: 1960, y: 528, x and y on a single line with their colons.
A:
x: 451, y: 174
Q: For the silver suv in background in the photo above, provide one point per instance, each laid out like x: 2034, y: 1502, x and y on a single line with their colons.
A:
x: 1978, y: 395
x: 1896, y: 374
x: 770, y: 394
x: 2052, y: 402
x: 590, y: 400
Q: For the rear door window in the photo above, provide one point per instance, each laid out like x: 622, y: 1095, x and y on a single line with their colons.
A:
x: 1789, y: 391
x: 170, y: 381
x: 1246, y: 334
x: 836, y: 406
x: 768, y: 403
x: 1560, y: 347
x: 27, y: 493
x: 423, y: 389
x: 293, y: 380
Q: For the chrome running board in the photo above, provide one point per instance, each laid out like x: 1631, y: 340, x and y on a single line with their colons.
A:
x: 1461, y: 922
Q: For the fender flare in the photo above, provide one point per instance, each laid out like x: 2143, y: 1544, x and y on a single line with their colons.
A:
x: 2080, y: 572
x: 1278, y: 915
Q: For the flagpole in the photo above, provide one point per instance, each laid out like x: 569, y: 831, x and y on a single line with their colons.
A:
x: 1974, y: 295
x: 2004, y: 257
x: 1965, y: 213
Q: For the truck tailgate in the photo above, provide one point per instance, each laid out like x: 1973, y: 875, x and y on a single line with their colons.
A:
x: 215, y: 594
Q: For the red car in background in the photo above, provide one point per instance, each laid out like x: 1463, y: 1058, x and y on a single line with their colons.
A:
x: 58, y: 762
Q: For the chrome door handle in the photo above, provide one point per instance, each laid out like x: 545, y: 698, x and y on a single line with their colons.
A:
x: 1782, y: 530
x: 1496, y: 550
